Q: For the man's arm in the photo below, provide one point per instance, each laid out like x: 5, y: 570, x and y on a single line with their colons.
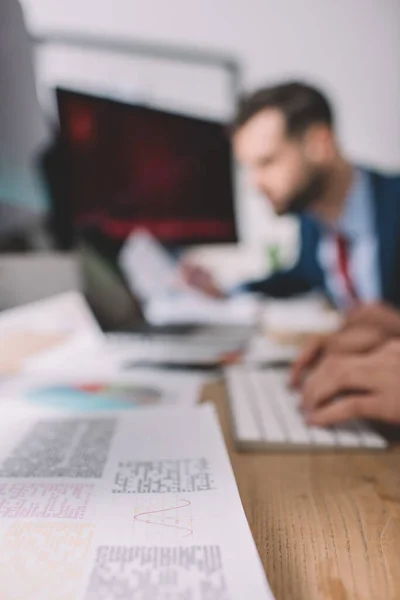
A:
x: 303, y: 277
x: 280, y: 284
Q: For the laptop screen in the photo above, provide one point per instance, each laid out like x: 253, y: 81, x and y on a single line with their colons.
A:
x: 110, y: 299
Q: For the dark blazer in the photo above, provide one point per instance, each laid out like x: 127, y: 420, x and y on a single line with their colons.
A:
x: 307, y: 274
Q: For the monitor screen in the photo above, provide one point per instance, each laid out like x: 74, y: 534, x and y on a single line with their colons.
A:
x: 132, y: 167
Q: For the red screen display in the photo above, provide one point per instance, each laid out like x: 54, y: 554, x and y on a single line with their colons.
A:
x: 130, y: 166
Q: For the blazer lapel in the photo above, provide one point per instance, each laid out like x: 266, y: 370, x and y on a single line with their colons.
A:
x: 386, y: 233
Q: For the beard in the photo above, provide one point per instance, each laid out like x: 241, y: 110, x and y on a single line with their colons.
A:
x: 305, y: 197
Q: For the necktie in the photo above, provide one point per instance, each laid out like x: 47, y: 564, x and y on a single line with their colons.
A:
x: 342, y: 247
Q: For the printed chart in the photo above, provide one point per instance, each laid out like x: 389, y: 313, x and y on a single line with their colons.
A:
x: 163, y: 519
x: 94, y: 396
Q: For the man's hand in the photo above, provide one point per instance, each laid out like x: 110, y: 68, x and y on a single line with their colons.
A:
x: 356, y: 339
x: 199, y: 278
x: 345, y: 387
x: 365, y: 329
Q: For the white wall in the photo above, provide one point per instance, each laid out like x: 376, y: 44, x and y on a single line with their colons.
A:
x: 351, y: 47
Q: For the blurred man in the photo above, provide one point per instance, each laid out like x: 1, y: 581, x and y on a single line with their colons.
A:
x: 285, y: 138
x: 354, y: 373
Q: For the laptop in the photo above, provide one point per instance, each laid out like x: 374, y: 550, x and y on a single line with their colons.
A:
x: 121, y: 315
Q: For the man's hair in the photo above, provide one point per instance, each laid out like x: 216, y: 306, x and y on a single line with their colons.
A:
x: 302, y: 105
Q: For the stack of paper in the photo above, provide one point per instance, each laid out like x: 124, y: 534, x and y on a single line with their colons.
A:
x: 99, y: 503
x: 116, y: 506
x: 54, y: 354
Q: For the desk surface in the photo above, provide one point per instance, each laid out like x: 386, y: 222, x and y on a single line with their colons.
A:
x: 327, y: 526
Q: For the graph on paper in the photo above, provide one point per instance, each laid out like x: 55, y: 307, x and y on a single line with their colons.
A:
x: 163, y: 518
x: 127, y: 505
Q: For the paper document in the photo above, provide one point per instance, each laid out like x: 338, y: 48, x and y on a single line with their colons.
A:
x: 46, y: 332
x: 193, y: 307
x: 231, y: 264
x: 147, y: 267
x: 300, y: 316
x: 155, y: 278
x: 94, y: 389
x: 122, y: 506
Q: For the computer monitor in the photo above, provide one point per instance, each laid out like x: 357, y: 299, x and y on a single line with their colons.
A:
x: 131, y: 167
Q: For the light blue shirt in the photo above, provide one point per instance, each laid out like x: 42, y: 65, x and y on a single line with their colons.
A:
x: 357, y: 224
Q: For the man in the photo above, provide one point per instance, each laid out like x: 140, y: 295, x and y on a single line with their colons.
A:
x: 354, y: 373
x: 284, y: 136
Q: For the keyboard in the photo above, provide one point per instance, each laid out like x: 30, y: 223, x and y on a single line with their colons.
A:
x: 265, y: 416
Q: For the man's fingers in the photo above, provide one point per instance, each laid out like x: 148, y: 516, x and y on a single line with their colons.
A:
x: 348, y: 340
x: 192, y: 273
x: 306, y: 358
x: 200, y: 279
x: 355, y: 339
x: 186, y: 270
x: 334, y: 376
x: 345, y: 409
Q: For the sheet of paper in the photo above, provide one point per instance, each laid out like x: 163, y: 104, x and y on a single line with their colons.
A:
x: 95, y: 390
x: 147, y: 267
x: 231, y: 264
x: 154, y: 277
x: 304, y: 315
x: 44, y: 333
x: 192, y: 307
x: 125, y: 505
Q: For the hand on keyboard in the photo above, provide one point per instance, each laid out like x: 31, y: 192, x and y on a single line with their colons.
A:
x: 265, y: 415
x: 349, y: 340
x: 344, y: 387
x: 366, y: 328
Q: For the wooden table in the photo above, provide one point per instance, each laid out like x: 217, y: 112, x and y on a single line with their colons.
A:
x: 327, y: 526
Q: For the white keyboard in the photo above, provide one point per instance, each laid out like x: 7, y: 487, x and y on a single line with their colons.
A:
x: 265, y: 416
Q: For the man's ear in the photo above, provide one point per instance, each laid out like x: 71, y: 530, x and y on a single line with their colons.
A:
x: 319, y: 144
